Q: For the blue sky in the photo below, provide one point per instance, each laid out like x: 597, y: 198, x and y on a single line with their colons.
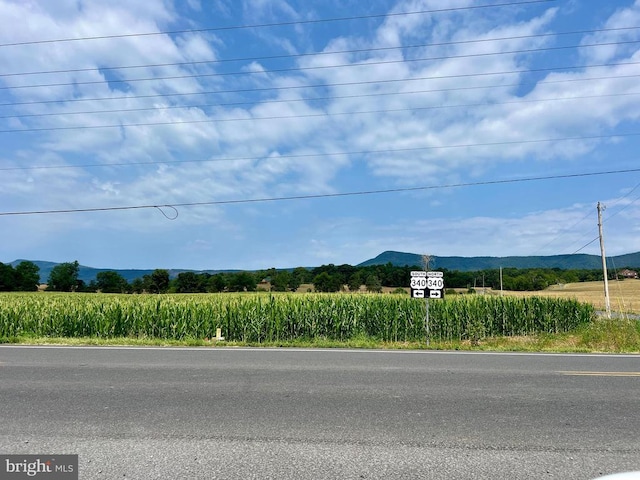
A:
x: 451, y: 107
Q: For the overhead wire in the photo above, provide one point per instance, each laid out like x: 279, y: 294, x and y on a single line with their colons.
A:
x: 310, y: 115
x: 276, y: 24
x: 563, y: 232
x: 326, y: 67
x: 338, y: 66
x: 319, y: 196
x: 611, y: 216
x: 336, y: 97
x: 338, y: 52
x: 572, y: 227
x: 341, y: 84
x: 119, y: 125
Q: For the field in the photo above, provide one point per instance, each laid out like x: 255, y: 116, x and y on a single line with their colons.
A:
x: 624, y: 295
x: 266, y: 317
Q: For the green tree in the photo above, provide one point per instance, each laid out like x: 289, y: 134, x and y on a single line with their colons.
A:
x: 137, y: 285
x: 301, y: 275
x: 203, y: 282
x: 92, y: 287
x: 355, y: 281
x: 159, y: 281
x: 280, y: 281
x: 373, y: 284
x: 294, y: 282
x: 242, y: 282
x: 64, y: 277
x: 187, y: 282
x: 7, y: 278
x: 217, y: 283
x: 111, y: 282
x: 27, y: 276
x: 325, y: 282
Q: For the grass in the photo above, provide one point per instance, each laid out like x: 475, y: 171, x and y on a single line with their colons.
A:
x: 606, y: 335
x: 600, y: 336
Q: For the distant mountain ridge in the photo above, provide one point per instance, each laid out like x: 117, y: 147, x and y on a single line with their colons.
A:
x: 87, y: 274
x: 465, y: 264
x: 400, y: 259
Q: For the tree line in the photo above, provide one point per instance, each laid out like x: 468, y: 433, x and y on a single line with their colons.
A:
x: 25, y: 277
x: 326, y: 278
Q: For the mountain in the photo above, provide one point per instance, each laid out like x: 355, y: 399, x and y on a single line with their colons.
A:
x: 465, y: 264
x: 87, y: 274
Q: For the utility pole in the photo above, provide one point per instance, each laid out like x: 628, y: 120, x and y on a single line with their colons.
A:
x: 604, y: 262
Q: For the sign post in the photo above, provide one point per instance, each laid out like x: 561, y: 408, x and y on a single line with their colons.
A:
x: 426, y: 321
x: 427, y: 285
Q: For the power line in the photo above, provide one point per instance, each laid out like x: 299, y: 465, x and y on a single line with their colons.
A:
x: 221, y: 159
x: 322, y: 85
x: 626, y: 206
x: 585, y: 245
x: 334, y: 52
x: 275, y: 117
x: 563, y: 232
x: 337, y: 97
x: 318, y: 196
x: 276, y: 24
x: 321, y: 67
x: 613, y: 215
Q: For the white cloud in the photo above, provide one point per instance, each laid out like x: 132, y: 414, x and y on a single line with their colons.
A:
x: 453, y: 119
x: 618, y: 35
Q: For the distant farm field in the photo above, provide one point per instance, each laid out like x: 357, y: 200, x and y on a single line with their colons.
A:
x: 624, y: 295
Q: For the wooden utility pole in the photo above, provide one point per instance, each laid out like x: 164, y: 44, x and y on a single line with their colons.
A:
x: 604, y: 263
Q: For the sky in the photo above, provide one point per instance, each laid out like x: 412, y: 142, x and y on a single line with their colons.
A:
x: 251, y: 134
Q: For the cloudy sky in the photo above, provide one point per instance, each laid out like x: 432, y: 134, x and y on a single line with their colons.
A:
x: 213, y: 134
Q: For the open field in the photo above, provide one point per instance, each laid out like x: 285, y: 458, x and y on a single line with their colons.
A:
x: 461, y: 322
x: 624, y: 294
x: 265, y: 317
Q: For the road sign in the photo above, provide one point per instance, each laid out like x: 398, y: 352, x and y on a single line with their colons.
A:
x: 418, y: 283
x: 434, y: 283
x: 427, y: 284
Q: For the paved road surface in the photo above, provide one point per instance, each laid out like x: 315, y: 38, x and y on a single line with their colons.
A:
x: 151, y: 413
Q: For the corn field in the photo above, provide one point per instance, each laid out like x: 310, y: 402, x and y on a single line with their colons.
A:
x: 265, y: 317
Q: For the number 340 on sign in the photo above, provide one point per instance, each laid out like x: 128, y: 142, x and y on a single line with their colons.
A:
x: 434, y: 283
x: 427, y: 283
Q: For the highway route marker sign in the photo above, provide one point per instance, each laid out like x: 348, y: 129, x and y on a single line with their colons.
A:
x: 427, y: 284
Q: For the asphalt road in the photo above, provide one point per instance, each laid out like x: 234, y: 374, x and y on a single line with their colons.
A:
x: 152, y: 413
